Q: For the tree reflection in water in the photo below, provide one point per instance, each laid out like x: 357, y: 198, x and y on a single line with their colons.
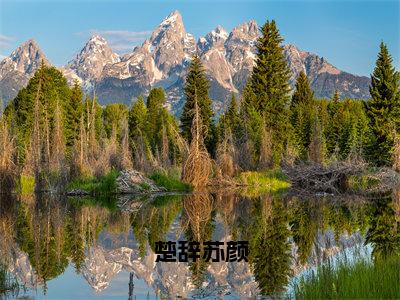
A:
x: 284, y: 232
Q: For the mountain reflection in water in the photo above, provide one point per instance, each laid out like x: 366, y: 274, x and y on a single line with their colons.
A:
x: 85, y: 248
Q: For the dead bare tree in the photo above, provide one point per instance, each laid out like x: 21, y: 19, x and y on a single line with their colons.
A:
x: 396, y: 153
x: 36, y: 139
x: 125, y: 152
x: 57, y: 145
x: 165, y: 161
x: 79, y: 164
x: 7, y: 166
x: 396, y: 202
x: 225, y: 156
x: 197, y: 166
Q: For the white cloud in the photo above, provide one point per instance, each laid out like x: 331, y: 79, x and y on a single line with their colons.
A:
x: 5, y: 41
x: 2, y: 57
x: 121, y: 41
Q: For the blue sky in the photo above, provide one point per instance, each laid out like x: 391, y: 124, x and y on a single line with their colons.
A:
x: 346, y: 33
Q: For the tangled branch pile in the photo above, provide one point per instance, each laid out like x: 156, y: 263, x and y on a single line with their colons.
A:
x: 197, y: 165
x: 314, y: 177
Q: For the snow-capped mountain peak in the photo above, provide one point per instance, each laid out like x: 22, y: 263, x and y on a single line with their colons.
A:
x: 25, y: 59
x: 162, y: 60
x: 172, y: 18
x: 89, y: 63
x: 216, y: 37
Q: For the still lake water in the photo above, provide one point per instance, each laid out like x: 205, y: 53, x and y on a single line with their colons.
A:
x: 83, y: 248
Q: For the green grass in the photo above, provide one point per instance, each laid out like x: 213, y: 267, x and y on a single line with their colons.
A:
x: 359, y: 280
x: 360, y: 183
x: 96, y: 185
x: 263, y: 182
x: 170, y: 182
x: 26, y: 185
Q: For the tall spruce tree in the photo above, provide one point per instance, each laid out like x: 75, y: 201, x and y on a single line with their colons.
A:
x: 335, y: 120
x: 302, y: 111
x: 74, y: 112
x: 232, y: 114
x: 269, y: 85
x: 155, y: 102
x: 383, y: 109
x: 197, y: 86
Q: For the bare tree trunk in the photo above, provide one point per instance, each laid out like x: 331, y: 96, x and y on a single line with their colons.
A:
x: 7, y: 152
x: 396, y: 153
x: 58, y: 146
x: 36, y: 141
x: 126, y: 156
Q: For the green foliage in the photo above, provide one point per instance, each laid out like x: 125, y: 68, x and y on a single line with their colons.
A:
x: 74, y: 113
x: 113, y: 114
x: 268, y: 88
x: 359, y: 280
x: 230, y: 120
x: 383, y: 109
x: 26, y: 185
x: 257, y: 183
x: 254, y: 126
x: 304, y: 228
x: 196, y: 89
x: 302, y: 115
x: 384, y: 231
x: 270, y: 249
x: 169, y: 182
x: 346, y: 128
x: 103, y: 185
x: 362, y: 182
x: 53, y: 87
x: 153, y: 221
x: 137, y: 118
x: 153, y: 130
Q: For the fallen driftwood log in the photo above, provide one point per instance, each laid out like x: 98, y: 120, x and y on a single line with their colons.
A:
x: 316, y: 178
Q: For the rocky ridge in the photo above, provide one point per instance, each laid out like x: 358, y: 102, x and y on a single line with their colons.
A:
x: 163, y: 59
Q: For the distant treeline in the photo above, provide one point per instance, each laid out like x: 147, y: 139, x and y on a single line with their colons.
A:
x: 53, y: 131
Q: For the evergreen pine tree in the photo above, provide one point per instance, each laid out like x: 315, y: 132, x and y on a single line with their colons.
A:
x: 302, y: 110
x: 335, y: 122
x: 383, y: 109
x: 197, y: 85
x: 232, y: 114
x: 269, y: 84
x: 154, y: 123
x: 74, y: 112
x: 303, y: 93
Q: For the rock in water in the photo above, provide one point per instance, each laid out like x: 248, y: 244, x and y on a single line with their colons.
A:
x: 132, y: 182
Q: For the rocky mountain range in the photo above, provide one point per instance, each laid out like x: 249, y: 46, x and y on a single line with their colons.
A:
x: 163, y: 59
